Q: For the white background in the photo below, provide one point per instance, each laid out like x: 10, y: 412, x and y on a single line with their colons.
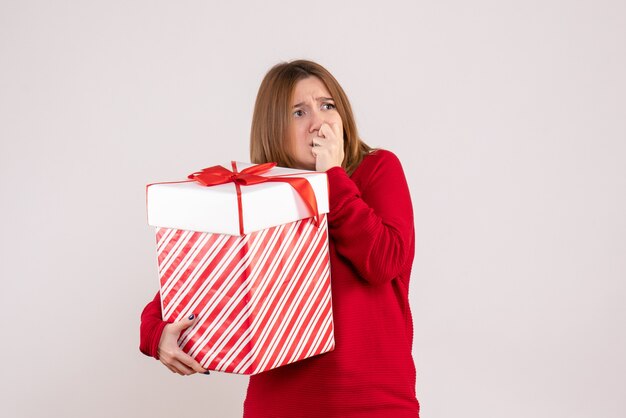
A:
x: 508, y: 116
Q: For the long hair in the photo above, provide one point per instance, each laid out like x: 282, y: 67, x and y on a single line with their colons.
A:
x: 270, y: 121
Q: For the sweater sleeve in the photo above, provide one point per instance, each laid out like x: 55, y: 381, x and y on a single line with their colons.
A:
x: 372, y: 227
x: 151, y: 328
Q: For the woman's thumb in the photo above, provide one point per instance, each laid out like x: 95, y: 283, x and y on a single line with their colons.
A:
x: 186, y: 323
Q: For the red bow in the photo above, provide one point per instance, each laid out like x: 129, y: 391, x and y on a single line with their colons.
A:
x: 212, y: 176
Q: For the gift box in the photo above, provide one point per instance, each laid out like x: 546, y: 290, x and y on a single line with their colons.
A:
x: 246, y: 251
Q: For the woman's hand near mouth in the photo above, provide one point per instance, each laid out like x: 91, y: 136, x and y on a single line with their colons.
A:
x: 327, y: 147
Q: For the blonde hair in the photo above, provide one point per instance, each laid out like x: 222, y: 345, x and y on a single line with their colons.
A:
x: 271, y: 117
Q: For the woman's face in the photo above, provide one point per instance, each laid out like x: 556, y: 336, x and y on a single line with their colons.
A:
x: 311, y: 106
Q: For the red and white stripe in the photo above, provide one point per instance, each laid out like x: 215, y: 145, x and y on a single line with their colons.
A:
x: 262, y: 300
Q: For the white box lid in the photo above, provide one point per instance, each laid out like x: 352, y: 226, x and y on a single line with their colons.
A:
x: 195, y: 207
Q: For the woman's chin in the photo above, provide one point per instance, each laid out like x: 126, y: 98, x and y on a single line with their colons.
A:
x: 305, y: 165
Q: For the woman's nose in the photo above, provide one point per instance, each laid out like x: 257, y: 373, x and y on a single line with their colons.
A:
x: 316, y: 122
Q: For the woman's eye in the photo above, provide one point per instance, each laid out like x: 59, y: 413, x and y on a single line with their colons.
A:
x: 328, y: 106
x: 298, y: 113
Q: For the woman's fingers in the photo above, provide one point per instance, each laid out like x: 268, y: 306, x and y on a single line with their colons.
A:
x: 177, y: 366
x: 330, y: 131
x: 182, y: 363
x: 328, y: 147
x: 325, y: 131
x: 172, y: 369
x: 181, y: 368
x: 170, y: 353
x: 189, y: 361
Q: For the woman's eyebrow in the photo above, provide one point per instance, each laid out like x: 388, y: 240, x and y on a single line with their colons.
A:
x: 318, y: 99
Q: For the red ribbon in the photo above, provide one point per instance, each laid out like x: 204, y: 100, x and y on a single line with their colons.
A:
x: 212, y: 176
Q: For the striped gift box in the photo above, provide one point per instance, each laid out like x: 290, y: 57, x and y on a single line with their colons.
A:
x: 262, y: 299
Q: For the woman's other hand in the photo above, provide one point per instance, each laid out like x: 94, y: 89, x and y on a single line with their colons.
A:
x: 328, y: 147
x: 170, y: 353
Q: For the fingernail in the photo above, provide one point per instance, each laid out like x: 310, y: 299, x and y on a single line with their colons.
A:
x: 192, y: 316
x: 207, y: 372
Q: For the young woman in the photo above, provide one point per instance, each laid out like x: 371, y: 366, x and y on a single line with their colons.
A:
x: 303, y: 119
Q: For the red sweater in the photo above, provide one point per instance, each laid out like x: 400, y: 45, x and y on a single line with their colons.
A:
x: 371, y: 373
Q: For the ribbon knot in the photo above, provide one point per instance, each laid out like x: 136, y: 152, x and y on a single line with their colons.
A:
x: 213, y: 176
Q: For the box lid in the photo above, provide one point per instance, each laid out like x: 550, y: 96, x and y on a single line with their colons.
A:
x: 195, y: 207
